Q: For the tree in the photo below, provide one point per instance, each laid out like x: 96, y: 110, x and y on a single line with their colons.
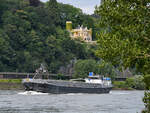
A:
x: 34, y: 3
x: 83, y: 67
x: 125, y: 37
x: 4, y: 51
x: 69, y: 13
x: 3, y: 7
x: 31, y: 34
x: 106, y: 69
x: 135, y: 82
x: 54, y: 12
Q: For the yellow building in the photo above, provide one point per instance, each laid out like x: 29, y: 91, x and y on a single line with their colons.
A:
x: 80, y: 32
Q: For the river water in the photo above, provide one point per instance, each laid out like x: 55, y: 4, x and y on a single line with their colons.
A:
x: 34, y: 102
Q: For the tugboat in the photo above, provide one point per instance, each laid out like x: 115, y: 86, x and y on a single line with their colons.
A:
x: 93, y: 84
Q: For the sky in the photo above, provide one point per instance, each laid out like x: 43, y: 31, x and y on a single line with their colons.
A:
x: 87, y: 6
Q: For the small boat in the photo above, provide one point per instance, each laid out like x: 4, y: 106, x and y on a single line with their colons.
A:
x: 93, y: 84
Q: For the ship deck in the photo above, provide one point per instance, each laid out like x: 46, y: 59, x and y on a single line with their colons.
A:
x: 67, y: 83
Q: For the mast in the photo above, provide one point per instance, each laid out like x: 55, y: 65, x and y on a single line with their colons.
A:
x: 40, y: 72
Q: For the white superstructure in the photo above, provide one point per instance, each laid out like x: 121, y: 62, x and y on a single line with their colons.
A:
x: 98, y: 80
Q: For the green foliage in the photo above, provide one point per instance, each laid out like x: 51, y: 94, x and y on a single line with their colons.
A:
x: 83, y: 67
x: 124, y: 39
x: 60, y: 76
x: 106, y: 69
x: 34, y: 3
x: 11, y: 84
x: 32, y: 32
x: 10, y: 80
x: 120, y: 85
x: 146, y: 98
x: 53, y: 11
x: 70, y: 13
x: 147, y: 81
x: 136, y: 82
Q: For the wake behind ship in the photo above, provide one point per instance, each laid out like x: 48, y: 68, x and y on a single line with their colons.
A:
x: 92, y: 84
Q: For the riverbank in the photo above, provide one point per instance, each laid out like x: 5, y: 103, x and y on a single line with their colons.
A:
x: 11, y: 84
x: 129, y: 84
x: 15, y: 84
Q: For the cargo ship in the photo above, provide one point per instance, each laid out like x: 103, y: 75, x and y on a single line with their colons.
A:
x: 92, y: 84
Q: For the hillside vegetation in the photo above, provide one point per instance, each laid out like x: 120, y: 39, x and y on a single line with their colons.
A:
x: 32, y: 32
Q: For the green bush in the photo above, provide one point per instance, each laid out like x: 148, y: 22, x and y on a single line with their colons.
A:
x: 147, y: 81
x: 135, y: 82
x: 120, y: 84
x: 59, y: 75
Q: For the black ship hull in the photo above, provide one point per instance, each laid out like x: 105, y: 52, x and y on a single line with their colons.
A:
x: 63, y: 89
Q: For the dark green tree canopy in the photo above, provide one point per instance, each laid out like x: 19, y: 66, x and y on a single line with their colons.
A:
x: 125, y: 38
x: 32, y: 32
x: 53, y: 11
x: 34, y: 3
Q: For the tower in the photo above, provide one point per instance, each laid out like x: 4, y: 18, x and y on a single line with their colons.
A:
x: 69, y: 25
